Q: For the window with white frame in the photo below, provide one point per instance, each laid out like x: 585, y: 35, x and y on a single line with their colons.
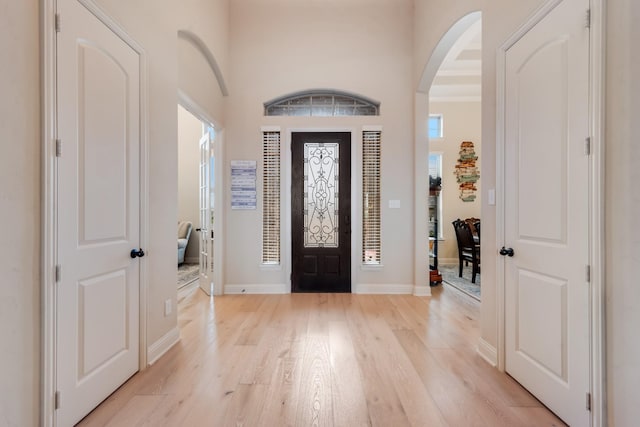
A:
x: 435, y: 171
x: 435, y: 126
x: 371, y: 140
x: 271, y: 197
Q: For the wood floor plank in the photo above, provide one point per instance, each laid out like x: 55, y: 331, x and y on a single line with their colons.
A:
x: 418, y: 405
x: 280, y: 408
x: 537, y: 417
x: 348, y: 397
x: 323, y: 359
x: 384, y: 404
x: 449, y: 391
x: 137, y: 411
x: 246, y: 405
x: 315, y: 403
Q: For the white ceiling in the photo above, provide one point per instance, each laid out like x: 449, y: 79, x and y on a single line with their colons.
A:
x: 459, y: 77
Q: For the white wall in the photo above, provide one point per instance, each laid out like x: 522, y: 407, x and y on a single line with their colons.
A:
x: 189, y: 134
x: 283, y: 47
x: 461, y: 122
x: 19, y: 213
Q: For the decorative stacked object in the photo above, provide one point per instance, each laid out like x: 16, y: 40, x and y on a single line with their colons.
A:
x: 466, y: 172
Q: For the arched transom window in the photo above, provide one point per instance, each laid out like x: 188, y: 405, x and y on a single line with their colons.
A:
x: 322, y: 103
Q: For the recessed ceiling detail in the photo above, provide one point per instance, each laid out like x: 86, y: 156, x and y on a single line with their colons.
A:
x: 459, y: 77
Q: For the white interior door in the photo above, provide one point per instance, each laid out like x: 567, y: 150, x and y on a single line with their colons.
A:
x: 98, y: 208
x: 546, y: 211
x: 206, y: 226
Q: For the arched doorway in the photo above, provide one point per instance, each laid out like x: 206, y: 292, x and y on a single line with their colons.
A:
x: 457, y: 57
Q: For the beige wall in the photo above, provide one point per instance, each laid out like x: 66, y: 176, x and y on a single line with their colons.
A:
x: 189, y: 134
x: 461, y: 122
x: 622, y: 211
x: 19, y: 213
x: 208, y: 20
x: 282, y: 47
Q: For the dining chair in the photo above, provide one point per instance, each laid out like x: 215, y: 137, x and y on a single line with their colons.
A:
x: 468, y: 250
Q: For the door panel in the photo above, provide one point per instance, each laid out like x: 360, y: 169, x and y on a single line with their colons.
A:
x: 101, y: 142
x: 321, y: 212
x: 98, y: 208
x: 205, y: 226
x: 546, y: 211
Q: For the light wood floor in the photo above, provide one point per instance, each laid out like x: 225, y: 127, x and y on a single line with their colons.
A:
x: 323, y: 360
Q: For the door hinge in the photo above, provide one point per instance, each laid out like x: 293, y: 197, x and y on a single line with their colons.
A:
x: 587, y: 146
x: 588, y: 401
x: 58, y: 148
x: 56, y: 400
x: 587, y: 273
x: 588, y: 18
x: 58, y: 273
x: 57, y: 22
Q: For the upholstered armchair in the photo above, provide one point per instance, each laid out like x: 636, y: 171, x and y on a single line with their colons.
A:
x: 184, y: 232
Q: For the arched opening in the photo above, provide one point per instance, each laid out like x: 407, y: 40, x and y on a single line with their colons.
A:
x: 448, y: 113
x: 200, y: 143
x: 201, y: 46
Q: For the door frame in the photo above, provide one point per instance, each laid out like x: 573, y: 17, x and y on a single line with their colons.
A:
x: 597, y: 319
x: 49, y: 194
x: 198, y: 112
x: 285, y: 204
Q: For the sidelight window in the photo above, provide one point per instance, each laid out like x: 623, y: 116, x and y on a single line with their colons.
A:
x: 371, y: 196
x: 271, y: 197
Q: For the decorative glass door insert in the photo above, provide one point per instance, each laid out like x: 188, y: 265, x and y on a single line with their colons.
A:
x: 321, y: 192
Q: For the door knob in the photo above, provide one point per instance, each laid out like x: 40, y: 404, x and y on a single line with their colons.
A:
x: 137, y: 253
x: 506, y: 251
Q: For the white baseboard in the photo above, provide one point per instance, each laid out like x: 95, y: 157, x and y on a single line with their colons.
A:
x: 389, y: 289
x: 422, y: 291
x: 278, y: 288
x: 164, y: 344
x: 488, y: 352
x: 192, y: 260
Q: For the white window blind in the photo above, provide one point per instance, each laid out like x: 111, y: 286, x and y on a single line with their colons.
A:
x: 371, y: 197
x: 271, y: 197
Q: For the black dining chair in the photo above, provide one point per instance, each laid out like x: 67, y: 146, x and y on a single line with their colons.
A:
x: 468, y: 250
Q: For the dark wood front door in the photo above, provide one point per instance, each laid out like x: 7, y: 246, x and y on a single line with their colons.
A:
x: 321, y: 212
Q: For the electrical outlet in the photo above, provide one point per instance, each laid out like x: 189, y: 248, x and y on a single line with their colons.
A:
x: 167, y: 307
